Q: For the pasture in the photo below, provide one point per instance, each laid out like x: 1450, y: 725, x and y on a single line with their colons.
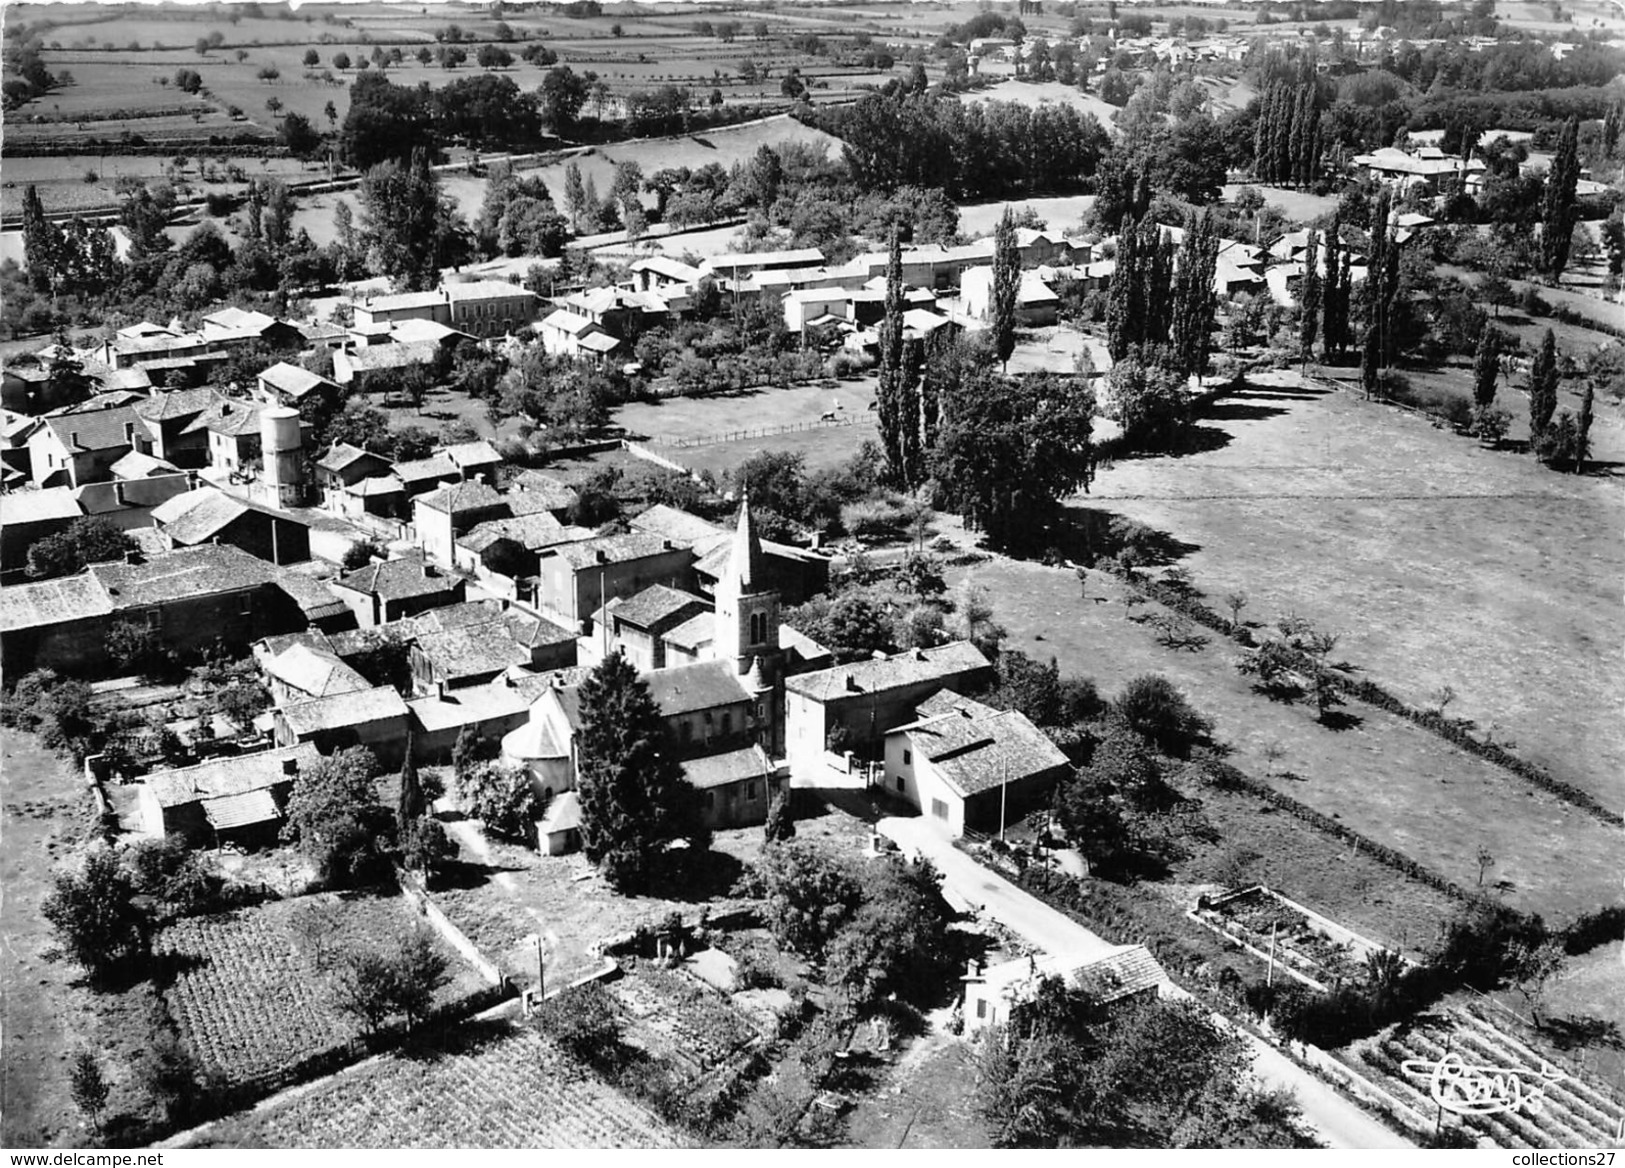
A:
x: 695, y: 419
x: 490, y: 1085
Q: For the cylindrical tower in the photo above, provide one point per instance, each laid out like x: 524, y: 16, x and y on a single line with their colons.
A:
x: 281, y: 451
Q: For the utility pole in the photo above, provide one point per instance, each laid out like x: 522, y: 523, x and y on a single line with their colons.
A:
x: 1269, y: 979
x: 1004, y: 786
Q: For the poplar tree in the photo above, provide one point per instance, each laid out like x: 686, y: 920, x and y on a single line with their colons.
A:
x: 1582, y: 426
x: 42, y: 242
x: 634, y: 800
x: 411, y: 803
x: 1543, y: 387
x: 1309, y: 313
x: 1123, y: 319
x: 891, y: 405
x: 1331, y: 334
x: 1194, y: 300
x: 575, y: 196
x: 1006, y: 287
x: 1486, y: 365
x: 1557, y: 207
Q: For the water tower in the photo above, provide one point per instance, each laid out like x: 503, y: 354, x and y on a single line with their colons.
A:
x: 281, y: 449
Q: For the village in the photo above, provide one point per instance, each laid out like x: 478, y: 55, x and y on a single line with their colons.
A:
x: 998, y: 585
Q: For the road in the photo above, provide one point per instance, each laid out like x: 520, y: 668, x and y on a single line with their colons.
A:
x: 1336, y: 1121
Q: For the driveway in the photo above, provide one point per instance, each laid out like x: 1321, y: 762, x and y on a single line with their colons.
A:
x: 967, y: 885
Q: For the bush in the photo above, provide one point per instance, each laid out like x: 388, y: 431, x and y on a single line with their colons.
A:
x: 1153, y: 708
x: 1600, y: 927
x: 584, y: 1023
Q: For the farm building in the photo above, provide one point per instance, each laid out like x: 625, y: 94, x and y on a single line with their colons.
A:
x: 576, y: 579
x: 569, y: 334
x: 374, y: 718
x: 236, y: 798
x: 1036, y: 305
x: 301, y: 670
x: 390, y: 590
x: 365, y: 368
x: 481, y: 308
x: 70, y: 450
x: 971, y: 767
x: 210, y: 516
x: 444, y: 514
x: 30, y: 516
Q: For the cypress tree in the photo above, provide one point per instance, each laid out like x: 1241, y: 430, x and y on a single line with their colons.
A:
x: 1298, y: 138
x: 1006, y: 287
x: 889, y: 393
x: 1610, y: 128
x: 1281, y: 135
x: 634, y: 799
x: 1156, y: 282
x: 575, y: 196
x: 1309, y: 313
x: 1486, y: 365
x: 1370, y: 354
x: 1543, y: 387
x: 1557, y: 206
x: 1262, y: 138
x: 1582, y: 426
x: 1123, y: 317
x: 411, y: 803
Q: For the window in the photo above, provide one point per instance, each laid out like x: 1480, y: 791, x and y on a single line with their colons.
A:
x: 908, y: 757
x: 710, y: 800
x: 981, y: 1007
x: 939, y: 809
x: 758, y: 628
x: 761, y: 709
x: 750, y: 791
x: 900, y: 785
x: 688, y: 732
x: 727, y: 724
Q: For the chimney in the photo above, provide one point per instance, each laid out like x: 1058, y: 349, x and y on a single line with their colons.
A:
x: 118, y: 492
x: 290, y: 766
x: 73, y: 438
x: 129, y: 433
x: 852, y: 684
x: 440, y: 690
x: 191, y: 480
x: 600, y: 555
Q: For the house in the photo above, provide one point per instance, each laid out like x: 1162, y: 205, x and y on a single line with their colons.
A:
x: 197, y: 599
x: 559, y: 829
x: 569, y: 334
x: 30, y: 516
x: 170, y: 420
x: 421, y: 475
x: 971, y: 767
x: 375, y: 718
x: 658, y: 273
x: 481, y: 308
x: 238, y: 799
x: 577, y: 579
x: 620, y: 312
x: 796, y: 574
x: 233, y: 432
x: 74, y: 449
x: 362, y: 370
x: 382, y: 495
x: 33, y: 385
x: 736, y: 787
x: 1126, y: 975
x: 128, y: 504
x: 288, y: 385
x: 636, y: 626
x: 1036, y: 305
x: 738, y: 266
x: 391, y: 590
x: 233, y: 327
x: 510, y: 547
x: 210, y: 516
x: 301, y: 671
x: 475, y: 460
x: 344, y: 466
x: 490, y: 712
x: 530, y: 491
x: 443, y: 514
x: 855, y: 705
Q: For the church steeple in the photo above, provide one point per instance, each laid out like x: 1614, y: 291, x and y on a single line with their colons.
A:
x: 747, y: 616
x: 745, y: 558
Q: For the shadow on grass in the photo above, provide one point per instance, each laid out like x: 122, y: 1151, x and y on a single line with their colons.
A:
x: 460, y: 875
x: 1581, y: 1031
x: 1339, y: 720
x: 434, y: 1042
x: 1089, y: 535
x: 1235, y: 410
x: 700, y: 877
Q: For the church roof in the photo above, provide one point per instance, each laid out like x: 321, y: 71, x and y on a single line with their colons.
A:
x: 745, y: 558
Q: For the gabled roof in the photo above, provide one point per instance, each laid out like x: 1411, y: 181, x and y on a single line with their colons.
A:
x: 342, y: 456
x: 674, y: 270
x: 376, y: 486
x: 673, y: 524
x: 417, y: 470
x: 239, y: 319
x: 344, y: 710
x: 878, y: 675
x: 721, y: 770
x: 319, y: 674
x: 22, y: 507
x: 697, y: 631
x: 230, y: 775
x: 95, y: 429
x: 175, y: 404
x: 569, y: 322
x: 402, y: 301
x: 471, y: 650
x: 467, y: 454
x: 802, y: 256
x: 414, y: 330
x: 614, y: 549
x: 399, y: 579
x: 484, y: 290
x: 198, y: 516
x: 532, y: 532
x: 136, y: 465
x: 227, y: 416
x: 563, y: 813
x: 293, y: 380
x: 976, y: 748
x: 396, y: 356
x: 654, y: 608
x: 688, y: 689
x: 455, y: 498
x: 50, y: 602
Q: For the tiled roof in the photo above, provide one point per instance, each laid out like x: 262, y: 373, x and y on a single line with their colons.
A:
x: 975, y: 748
x: 96, y: 429
x: 568, y: 322
x: 532, y: 532
x: 689, y: 688
x: 673, y: 524
x: 395, y: 356
x: 105, y: 498
x: 1130, y: 970
x: 402, y: 300
x: 470, y: 650
x: 292, y: 380
x: 199, y: 515
x: 377, y: 485
x: 655, y: 607
x: 533, y: 631
x: 804, y: 257
x: 21, y: 507
x: 721, y: 770
x: 535, y: 739
x: 563, y: 814
x: 417, y: 470
x: 49, y: 602
x: 242, y: 810
x: 414, y: 330
x: 342, y: 455
x: 399, y: 579
x: 230, y: 775
x: 343, y: 710
x: 454, y: 498
x: 615, y: 549
x: 697, y: 630
x: 316, y: 673
x: 227, y: 416
x: 466, y: 454
x: 507, y: 696
x: 484, y: 290
x: 239, y: 318
x: 199, y: 571
x: 555, y: 494
x: 911, y: 667
x: 177, y: 403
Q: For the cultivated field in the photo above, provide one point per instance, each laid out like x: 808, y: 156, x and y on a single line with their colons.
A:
x: 494, y: 1086
x: 253, y: 997
x: 1440, y: 563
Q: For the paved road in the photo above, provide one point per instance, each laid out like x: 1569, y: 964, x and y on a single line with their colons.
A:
x: 1338, y: 1122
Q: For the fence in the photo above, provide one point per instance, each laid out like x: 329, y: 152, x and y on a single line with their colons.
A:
x: 761, y: 432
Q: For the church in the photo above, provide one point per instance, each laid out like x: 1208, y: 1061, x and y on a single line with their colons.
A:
x: 716, y: 669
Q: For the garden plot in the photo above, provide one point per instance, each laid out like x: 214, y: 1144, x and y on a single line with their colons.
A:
x: 1260, y: 919
x: 498, y: 1086
x: 251, y: 997
x: 675, y: 1018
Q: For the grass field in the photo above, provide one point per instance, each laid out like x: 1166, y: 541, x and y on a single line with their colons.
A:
x: 689, y: 418
x: 1300, y: 206
x: 494, y: 1085
x: 253, y: 998
x: 1065, y: 213
x: 1440, y: 563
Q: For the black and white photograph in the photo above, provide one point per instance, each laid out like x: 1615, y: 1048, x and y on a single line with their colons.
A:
x: 812, y: 575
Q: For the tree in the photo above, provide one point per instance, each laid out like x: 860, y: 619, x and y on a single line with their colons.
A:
x: 1543, y: 378
x: 1334, y: 311
x: 98, y: 925
x: 406, y: 227
x: 90, y: 540
x: 411, y: 802
x: 852, y: 627
x: 341, y: 60
x: 88, y: 1087
x: 1006, y: 288
x: 42, y: 242
x: 1582, y: 428
x: 1153, y: 708
x: 420, y: 970
x: 1557, y: 203
x: 312, y: 58
x: 809, y: 895
x: 634, y: 800
x: 334, y: 815
x: 502, y: 798
x: 1486, y: 366
x: 575, y: 197
x: 893, y: 943
x: 1533, y: 968
x: 781, y: 818
x: 1309, y: 302
x: 1191, y: 320
x: 298, y: 135
x: 363, y: 987
x: 584, y: 1022
x: 1149, y: 402
x: 897, y: 390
